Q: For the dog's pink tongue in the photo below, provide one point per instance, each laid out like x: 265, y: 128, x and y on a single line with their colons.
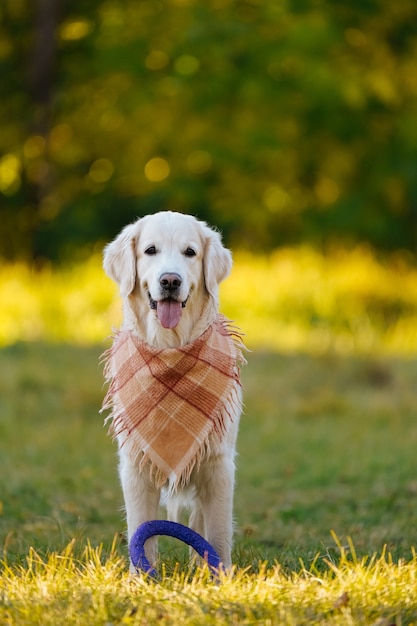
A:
x: 169, y: 313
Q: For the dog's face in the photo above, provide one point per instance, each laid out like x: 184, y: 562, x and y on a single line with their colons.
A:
x: 169, y: 265
x: 169, y: 262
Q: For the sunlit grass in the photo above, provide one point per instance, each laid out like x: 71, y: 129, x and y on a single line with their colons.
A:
x: 75, y: 304
x: 90, y: 590
x: 347, y: 301
x: 293, y: 299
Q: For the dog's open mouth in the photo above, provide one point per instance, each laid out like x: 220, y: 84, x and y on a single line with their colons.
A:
x: 168, y: 310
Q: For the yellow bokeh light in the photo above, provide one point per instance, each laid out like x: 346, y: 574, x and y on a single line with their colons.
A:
x: 187, y: 65
x: 9, y: 174
x: 383, y: 86
x: 101, y: 171
x: 34, y: 147
x: 157, y: 169
x: 73, y: 30
x: 276, y: 199
x: 156, y: 60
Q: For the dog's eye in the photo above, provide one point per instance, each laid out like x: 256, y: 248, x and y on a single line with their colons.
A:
x: 151, y: 250
x: 190, y: 252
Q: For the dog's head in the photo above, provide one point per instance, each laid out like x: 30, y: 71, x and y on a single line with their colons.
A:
x: 168, y: 261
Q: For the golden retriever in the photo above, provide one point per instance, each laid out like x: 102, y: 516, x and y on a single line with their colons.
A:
x: 168, y: 267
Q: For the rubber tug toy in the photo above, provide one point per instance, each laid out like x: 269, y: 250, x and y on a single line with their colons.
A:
x: 170, y: 529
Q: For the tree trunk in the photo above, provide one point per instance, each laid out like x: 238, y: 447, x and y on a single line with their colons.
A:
x: 41, y: 74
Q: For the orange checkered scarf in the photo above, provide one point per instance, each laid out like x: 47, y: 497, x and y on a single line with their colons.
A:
x: 173, y: 402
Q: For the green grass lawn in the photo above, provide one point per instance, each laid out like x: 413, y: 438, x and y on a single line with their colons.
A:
x: 326, y: 482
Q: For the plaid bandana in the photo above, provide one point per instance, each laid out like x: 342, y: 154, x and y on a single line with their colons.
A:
x: 173, y: 402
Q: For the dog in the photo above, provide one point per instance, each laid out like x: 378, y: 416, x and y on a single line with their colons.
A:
x: 168, y: 267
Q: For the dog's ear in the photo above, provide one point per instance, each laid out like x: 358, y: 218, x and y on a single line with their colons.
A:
x: 217, y: 262
x: 119, y: 260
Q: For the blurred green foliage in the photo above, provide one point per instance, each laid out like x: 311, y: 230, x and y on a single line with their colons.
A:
x: 277, y: 121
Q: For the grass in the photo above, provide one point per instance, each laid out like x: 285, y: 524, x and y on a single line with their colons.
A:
x: 65, y: 590
x: 296, y: 299
x: 326, y: 498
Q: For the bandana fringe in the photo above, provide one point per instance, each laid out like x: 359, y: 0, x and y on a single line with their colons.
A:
x: 127, y: 392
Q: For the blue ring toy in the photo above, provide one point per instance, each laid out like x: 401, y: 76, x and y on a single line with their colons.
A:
x: 170, y: 529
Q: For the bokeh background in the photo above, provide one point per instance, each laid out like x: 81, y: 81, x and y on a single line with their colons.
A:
x: 291, y: 126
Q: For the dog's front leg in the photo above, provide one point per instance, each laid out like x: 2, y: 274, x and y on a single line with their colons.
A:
x: 141, y: 503
x: 215, y: 492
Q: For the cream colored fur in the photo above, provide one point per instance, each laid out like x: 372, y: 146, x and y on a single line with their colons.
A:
x: 153, y: 246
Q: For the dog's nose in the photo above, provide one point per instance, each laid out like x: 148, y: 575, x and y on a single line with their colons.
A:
x: 170, y: 281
